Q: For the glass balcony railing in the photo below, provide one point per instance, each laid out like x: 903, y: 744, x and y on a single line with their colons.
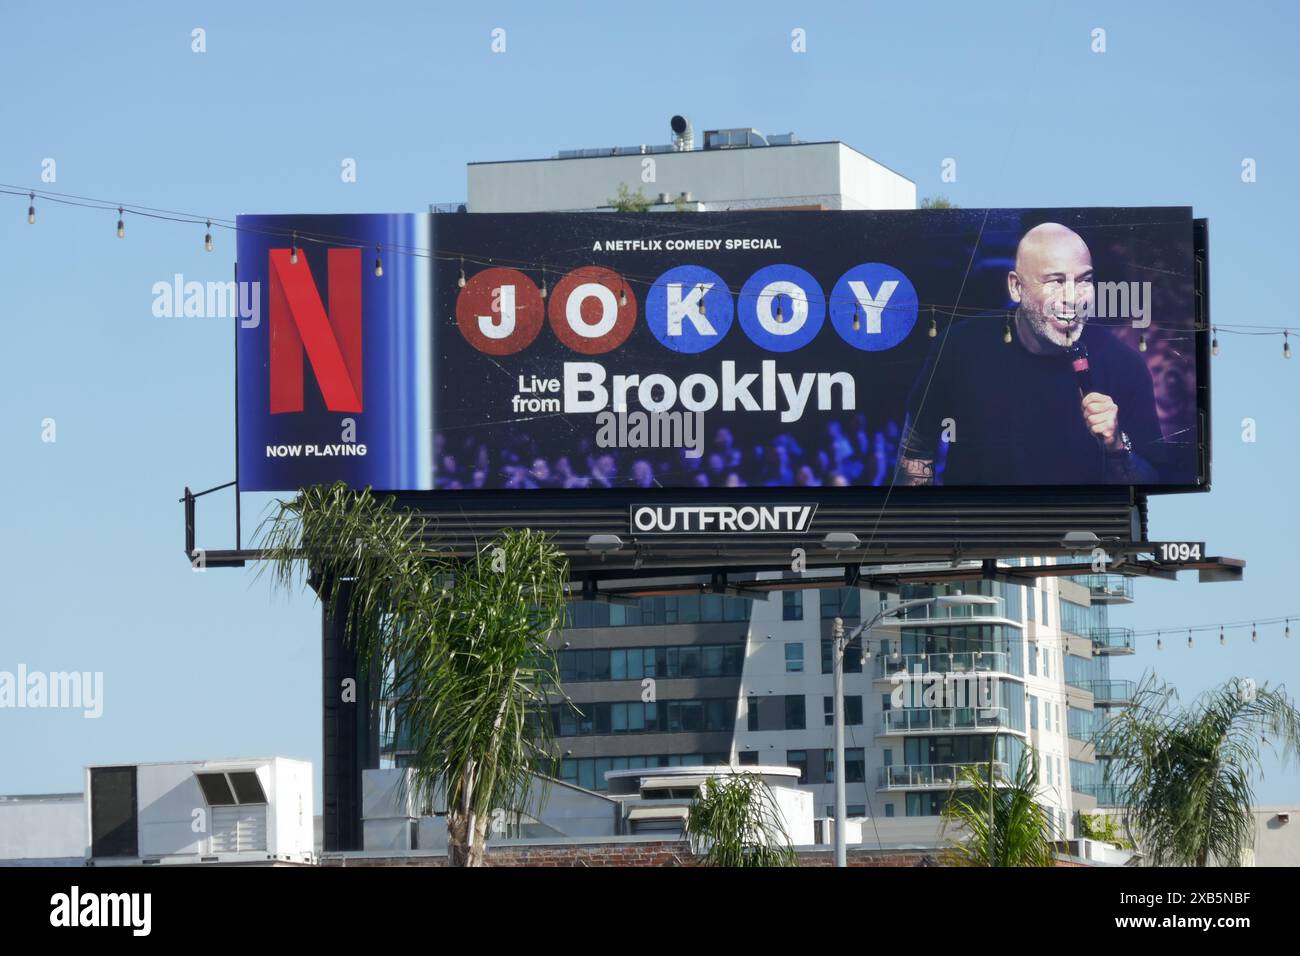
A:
x: 966, y: 662
x: 1110, y: 693
x: 1108, y: 588
x: 954, y: 614
x: 931, y: 719
x: 1111, y: 640
x: 935, y: 776
x: 1106, y: 794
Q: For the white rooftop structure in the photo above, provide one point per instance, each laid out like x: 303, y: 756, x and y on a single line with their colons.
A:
x: 736, y: 169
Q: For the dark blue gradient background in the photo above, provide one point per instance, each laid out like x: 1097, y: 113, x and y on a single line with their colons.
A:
x: 395, y: 426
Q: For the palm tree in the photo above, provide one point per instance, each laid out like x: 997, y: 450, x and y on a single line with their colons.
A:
x: 463, y: 648
x: 1186, y: 775
x: 1004, y: 823
x: 736, y: 822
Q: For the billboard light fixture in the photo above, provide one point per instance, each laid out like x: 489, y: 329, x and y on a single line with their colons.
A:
x: 602, y: 544
x: 1080, y: 541
x: 840, y: 541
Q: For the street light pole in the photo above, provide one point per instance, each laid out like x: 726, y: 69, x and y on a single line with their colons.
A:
x: 841, y: 814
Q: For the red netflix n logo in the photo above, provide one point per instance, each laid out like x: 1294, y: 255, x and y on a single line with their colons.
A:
x: 299, y: 322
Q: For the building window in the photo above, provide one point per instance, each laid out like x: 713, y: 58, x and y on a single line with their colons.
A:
x: 889, y: 809
x: 792, y: 605
x: 748, y: 758
x: 658, y: 611
x: 1033, y: 658
x: 852, y: 656
x: 636, y: 663
x: 855, y: 765
x: 799, y: 759
x: 589, y: 772
x: 794, y: 657
x: 634, y: 717
x: 840, y: 602
x: 1033, y: 712
x: 852, y: 710
x: 795, y: 714
x: 751, y: 713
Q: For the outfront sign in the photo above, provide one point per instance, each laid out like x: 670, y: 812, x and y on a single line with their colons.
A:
x: 963, y: 348
x: 721, y: 519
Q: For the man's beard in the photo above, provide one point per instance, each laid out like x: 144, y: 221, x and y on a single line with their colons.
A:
x: 1048, y: 330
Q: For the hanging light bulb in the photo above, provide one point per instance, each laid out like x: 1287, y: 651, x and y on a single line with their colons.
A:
x: 379, y: 260
x: 31, y: 209
x: 1189, y: 637
x: 1254, y: 634
x: 934, y: 326
x: 1286, y: 345
x: 857, y: 325
x: 1006, y: 336
x: 622, y: 295
x: 1287, y: 633
x: 207, y: 238
x: 704, y: 302
x: 1160, y: 645
x: 293, y: 250
x: 543, y: 282
x: 461, y: 280
x: 1214, y: 341
x: 121, y: 224
x: 1142, y: 342
x: 1222, y: 640
x: 780, y: 315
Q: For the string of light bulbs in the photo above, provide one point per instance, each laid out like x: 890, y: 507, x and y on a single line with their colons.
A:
x: 950, y: 311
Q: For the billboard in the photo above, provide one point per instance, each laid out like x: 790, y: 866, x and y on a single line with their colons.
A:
x: 588, y: 352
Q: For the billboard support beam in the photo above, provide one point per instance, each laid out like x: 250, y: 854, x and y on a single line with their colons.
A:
x: 350, y: 742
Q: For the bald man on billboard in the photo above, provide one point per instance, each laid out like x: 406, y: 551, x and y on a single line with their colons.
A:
x: 1064, y: 403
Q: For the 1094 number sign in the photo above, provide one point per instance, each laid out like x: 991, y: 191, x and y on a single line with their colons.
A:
x: 1178, y: 552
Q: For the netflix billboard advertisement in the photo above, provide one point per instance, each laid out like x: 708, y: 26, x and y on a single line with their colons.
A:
x: 980, y: 348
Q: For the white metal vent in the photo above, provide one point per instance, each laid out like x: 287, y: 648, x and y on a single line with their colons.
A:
x: 238, y: 829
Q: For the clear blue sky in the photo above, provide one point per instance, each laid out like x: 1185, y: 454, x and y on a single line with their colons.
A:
x: 205, y: 665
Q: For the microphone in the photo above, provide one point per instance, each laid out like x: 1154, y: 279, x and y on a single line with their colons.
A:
x: 1079, y: 362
